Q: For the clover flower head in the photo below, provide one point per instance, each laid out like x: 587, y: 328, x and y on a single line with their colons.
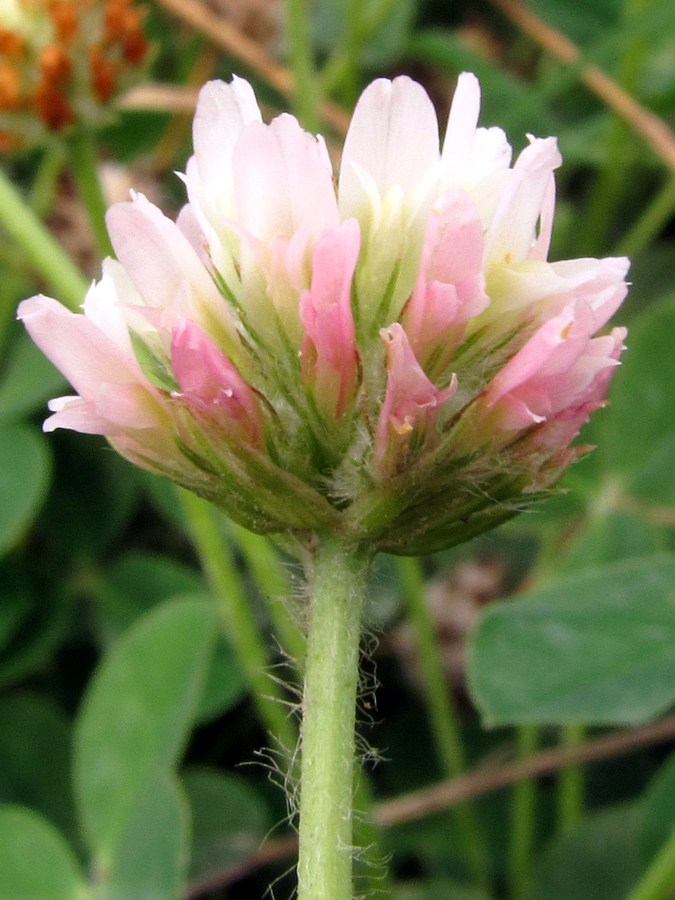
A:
x: 388, y: 354
x: 62, y: 62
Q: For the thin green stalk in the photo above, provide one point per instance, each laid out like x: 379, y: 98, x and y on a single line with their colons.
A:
x: 523, y: 809
x: 571, y: 782
x: 305, y: 82
x: 611, y: 182
x: 43, y: 188
x: 652, y: 220
x: 442, y: 712
x: 658, y: 882
x: 267, y: 569
x: 337, y: 588
x: 344, y: 71
x: 84, y: 167
x: 43, y: 251
x: 237, y: 615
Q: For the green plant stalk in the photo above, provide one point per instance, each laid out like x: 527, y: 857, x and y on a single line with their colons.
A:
x: 613, y: 177
x: 84, y: 168
x: 43, y: 188
x: 441, y: 710
x: 43, y: 251
x: 268, y: 572
x: 305, y: 83
x: 654, y: 218
x: 337, y: 584
x: 238, y: 618
x: 522, y: 817
x: 571, y: 782
x: 657, y: 882
x: 349, y: 60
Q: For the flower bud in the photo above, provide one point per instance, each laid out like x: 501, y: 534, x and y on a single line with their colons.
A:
x: 395, y: 360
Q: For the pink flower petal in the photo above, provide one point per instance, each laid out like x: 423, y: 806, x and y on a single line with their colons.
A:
x: 450, y: 287
x: 223, y: 111
x: 392, y: 138
x: 411, y: 400
x: 210, y: 384
x: 157, y: 256
x: 512, y: 233
x: 75, y: 345
x: 283, y: 181
x: 329, y: 355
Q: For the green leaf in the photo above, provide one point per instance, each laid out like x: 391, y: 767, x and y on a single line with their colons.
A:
x: 95, y: 499
x: 637, y: 437
x: 34, y: 730
x: 35, y: 861
x: 612, y: 537
x: 135, y: 583
x: 596, y: 647
x: 15, y: 604
x: 136, y: 715
x: 658, y: 811
x: 225, y: 685
x: 139, y: 581
x: 229, y: 820
x: 436, y: 889
x: 44, y: 623
x: 24, y: 477
x: 597, y: 861
x: 152, y: 851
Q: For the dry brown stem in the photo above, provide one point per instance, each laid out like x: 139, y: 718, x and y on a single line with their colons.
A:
x: 653, y: 130
x: 486, y: 779
x: 228, y: 38
x: 446, y: 794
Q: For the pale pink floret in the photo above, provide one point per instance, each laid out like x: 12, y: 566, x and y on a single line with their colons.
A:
x: 558, y: 367
x: 223, y: 111
x: 160, y: 261
x: 474, y: 159
x: 513, y: 234
x: 411, y: 401
x: 329, y: 360
x: 283, y: 181
x: 210, y: 385
x: 392, y: 142
x: 113, y: 395
x: 450, y: 287
x: 284, y: 200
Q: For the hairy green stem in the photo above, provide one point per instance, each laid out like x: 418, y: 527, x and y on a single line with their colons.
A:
x: 238, y: 617
x: 305, y: 82
x: 19, y: 221
x: 441, y: 710
x: 658, y: 881
x: 84, y: 167
x: 337, y: 584
x: 523, y: 810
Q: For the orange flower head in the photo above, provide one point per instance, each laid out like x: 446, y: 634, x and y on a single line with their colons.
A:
x: 63, y: 62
